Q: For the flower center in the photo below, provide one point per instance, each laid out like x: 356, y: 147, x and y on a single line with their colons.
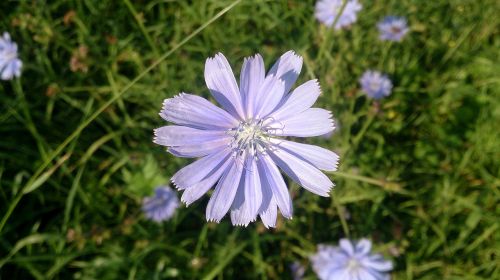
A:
x: 395, y: 29
x: 375, y: 85
x: 353, y: 264
x: 9, y: 54
x: 249, y: 136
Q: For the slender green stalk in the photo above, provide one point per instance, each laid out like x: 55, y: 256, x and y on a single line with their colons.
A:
x: 364, y: 128
x: 360, y: 178
x: 327, y: 43
x: 386, y: 185
x: 141, y: 26
x: 28, y: 121
x: 345, y: 228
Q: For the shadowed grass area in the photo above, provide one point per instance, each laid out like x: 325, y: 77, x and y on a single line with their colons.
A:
x: 419, y: 171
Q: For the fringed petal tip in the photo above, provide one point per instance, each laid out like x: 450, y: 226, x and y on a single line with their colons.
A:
x: 187, y: 203
x: 177, y: 186
x: 295, y: 59
x: 317, y: 85
x: 172, y: 180
x: 335, y: 167
x: 213, y: 220
x: 240, y: 223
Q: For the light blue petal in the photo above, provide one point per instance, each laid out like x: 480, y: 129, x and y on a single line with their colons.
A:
x: 197, y: 190
x: 10, y: 65
x: 267, y: 210
x: 311, y: 122
x: 303, y: 173
x: 202, y: 149
x: 377, y: 263
x: 251, y: 79
x: 220, y: 81
x: 393, y: 28
x: 277, y: 185
x: 267, y: 193
x: 162, y: 205
x: 250, y: 198
x: 301, y: 99
x: 224, y: 193
x: 346, y: 245
x: 197, y: 112
x: 319, y: 157
x: 287, y: 68
x: 339, y: 274
x: 269, y: 216
x: 8, y: 72
x: 375, y: 84
x: 198, y: 170
x: 363, y: 274
x: 363, y: 247
x: 18, y: 64
x: 329, y: 262
x: 184, y: 136
x: 270, y: 95
x: 327, y: 10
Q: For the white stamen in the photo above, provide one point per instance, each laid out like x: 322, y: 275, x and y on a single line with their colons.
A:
x: 374, y: 85
x: 353, y: 264
x: 250, y: 136
x: 10, y: 55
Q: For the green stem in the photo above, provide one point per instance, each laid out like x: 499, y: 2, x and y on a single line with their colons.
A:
x: 30, y: 125
x: 386, y: 185
x: 364, y: 128
x: 327, y: 40
x: 360, y: 178
x: 385, y: 53
x: 141, y: 26
x: 345, y: 228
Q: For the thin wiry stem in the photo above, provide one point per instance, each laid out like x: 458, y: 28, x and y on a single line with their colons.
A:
x: 329, y: 32
x: 141, y: 26
x: 386, y: 185
x: 342, y: 8
x: 343, y: 221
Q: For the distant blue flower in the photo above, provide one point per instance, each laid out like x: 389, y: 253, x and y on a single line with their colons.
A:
x: 350, y: 261
x: 162, y: 205
x: 239, y: 151
x: 375, y: 84
x: 298, y: 270
x: 10, y: 65
x: 327, y: 11
x: 393, y: 28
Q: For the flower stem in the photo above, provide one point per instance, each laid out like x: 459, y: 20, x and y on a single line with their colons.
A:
x: 327, y: 40
x: 386, y: 185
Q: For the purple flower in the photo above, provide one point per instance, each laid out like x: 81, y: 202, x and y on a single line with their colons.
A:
x: 375, y: 84
x: 350, y: 261
x: 393, y: 28
x: 10, y: 65
x: 162, y: 205
x: 327, y: 10
x: 297, y: 270
x: 239, y: 146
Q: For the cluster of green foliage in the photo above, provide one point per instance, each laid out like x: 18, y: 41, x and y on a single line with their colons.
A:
x: 419, y: 172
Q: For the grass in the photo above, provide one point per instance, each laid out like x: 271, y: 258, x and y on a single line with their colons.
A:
x: 419, y: 171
